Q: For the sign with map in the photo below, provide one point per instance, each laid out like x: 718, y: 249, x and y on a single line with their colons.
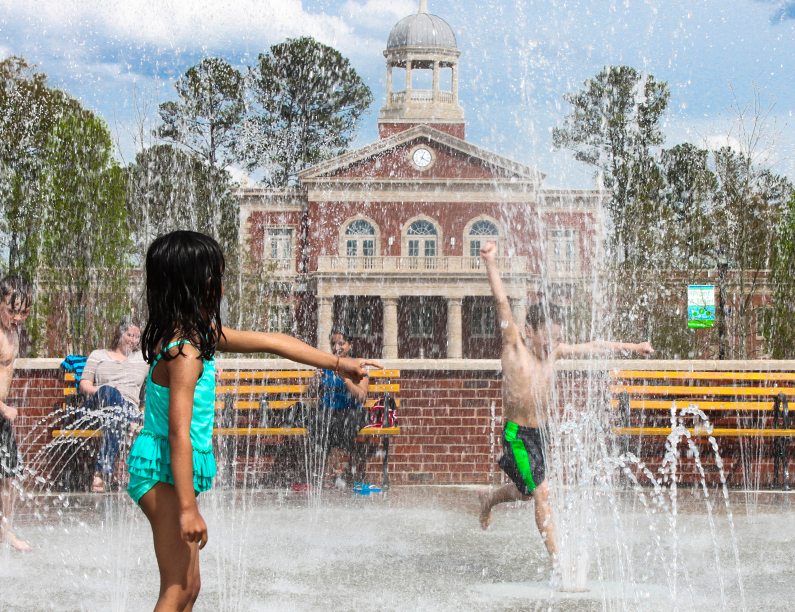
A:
x: 701, y: 305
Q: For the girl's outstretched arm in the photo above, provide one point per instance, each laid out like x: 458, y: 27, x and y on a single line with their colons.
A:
x: 235, y: 341
x: 183, y: 372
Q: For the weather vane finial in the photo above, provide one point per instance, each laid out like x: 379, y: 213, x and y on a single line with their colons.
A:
x: 423, y: 6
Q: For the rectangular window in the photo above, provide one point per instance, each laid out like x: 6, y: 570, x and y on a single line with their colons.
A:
x: 562, y: 250
x: 368, y: 248
x: 280, y: 242
x: 483, y: 321
x: 474, y: 248
x: 430, y: 248
x: 360, y: 321
x: 280, y: 318
x: 351, y: 248
x: 414, y: 248
x: 421, y: 321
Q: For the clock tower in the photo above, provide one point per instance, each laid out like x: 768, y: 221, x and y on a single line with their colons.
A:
x: 421, y: 78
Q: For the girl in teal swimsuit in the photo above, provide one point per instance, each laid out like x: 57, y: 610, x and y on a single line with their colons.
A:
x: 171, y: 461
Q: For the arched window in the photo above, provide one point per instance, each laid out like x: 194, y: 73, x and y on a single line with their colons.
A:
x: 481, y: 232
x: 360, y: 244
x: 421, y: 243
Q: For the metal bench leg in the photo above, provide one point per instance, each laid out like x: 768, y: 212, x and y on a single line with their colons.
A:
x: 229, y: 442
x: 385, y: 485
x: 624, y: 414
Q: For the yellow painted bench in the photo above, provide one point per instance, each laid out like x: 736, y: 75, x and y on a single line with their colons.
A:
x: 738, y: 396
x: 228, y: 401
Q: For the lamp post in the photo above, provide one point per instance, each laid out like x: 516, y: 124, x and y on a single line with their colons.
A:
x: 723, y: 265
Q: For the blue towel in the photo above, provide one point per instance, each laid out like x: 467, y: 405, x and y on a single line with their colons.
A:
x: 75, y: 364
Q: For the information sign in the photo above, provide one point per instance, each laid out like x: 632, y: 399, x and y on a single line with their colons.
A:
x: 701, y: 306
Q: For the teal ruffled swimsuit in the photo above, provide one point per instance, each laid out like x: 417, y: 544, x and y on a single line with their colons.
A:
x: 150, y: 457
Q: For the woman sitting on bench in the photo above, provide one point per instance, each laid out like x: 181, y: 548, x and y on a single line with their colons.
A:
x: 339, y: 417
x: 112, y: 381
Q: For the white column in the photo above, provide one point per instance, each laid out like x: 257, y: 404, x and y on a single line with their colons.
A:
x: 390, y: 328
x: 408, y: 81
x: 388, y: 83
x: 436, y: 81
x: 455, y: 347
x: 325, y: 313
x: 454, y: 84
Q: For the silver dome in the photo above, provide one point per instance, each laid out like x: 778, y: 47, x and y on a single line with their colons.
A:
x: 421, y: 30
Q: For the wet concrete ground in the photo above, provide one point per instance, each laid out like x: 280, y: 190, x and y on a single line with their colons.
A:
x: 414, y: 549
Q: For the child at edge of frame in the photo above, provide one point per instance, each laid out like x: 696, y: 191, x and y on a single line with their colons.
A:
x: 171, y: 461
x: 528, y: 367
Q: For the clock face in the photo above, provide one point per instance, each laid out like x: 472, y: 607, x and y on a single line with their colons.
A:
x: 422, y: 157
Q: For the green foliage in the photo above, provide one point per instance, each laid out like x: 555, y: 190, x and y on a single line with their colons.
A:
x: 28, y: 111
x: 169, y: 189
x: 613, y: 127
x: 779, y: 328
x: 85, y: 242
x: 207, y: 116
x: 306, y: 104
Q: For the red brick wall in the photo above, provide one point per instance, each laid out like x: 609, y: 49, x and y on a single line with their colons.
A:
x: 385, y: 130
x: 450, y: 432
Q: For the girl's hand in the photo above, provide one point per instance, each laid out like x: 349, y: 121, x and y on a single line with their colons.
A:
x: 192, y: 527
x: 355, y: 368
x: 9, y: 413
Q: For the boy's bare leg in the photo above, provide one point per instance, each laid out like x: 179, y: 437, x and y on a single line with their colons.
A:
x: 6, y: 498
x: 489, y: 499
x: 544, y: 522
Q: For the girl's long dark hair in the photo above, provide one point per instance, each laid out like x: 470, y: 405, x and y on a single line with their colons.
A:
x: 184, y: 273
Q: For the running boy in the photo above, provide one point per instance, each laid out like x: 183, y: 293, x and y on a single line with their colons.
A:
x: 528, y: 368
x: 16, y: 298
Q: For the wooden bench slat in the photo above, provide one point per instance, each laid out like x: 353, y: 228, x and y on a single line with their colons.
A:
x: 77, y: 433
x: 676, y: 390
x: 266, y: 375
x: 294, y: 431
x: 384, y: 373
x: 380, y: 388
x: 69, y: 391
x: 702, y: 405
x: 234, y: 431
x: 259, y: 431
x: 276, y: 374
x: 281, y: 404
x: 667, y: 375
x: 717, y: 433
x: 70, y: 376
x: 251, y: 389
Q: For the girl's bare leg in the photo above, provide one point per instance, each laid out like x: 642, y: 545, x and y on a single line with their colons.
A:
x: 177, y: 559
x: 6, y: 509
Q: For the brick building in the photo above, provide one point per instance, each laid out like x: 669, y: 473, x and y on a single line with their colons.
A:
x: 385, y: 239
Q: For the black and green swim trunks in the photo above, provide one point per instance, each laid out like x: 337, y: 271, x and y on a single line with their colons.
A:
x: 522, y: 458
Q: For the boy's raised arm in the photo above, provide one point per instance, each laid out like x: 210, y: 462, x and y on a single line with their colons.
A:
x: 510, y: 332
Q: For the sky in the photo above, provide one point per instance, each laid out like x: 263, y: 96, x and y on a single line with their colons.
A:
x: 519, y: 57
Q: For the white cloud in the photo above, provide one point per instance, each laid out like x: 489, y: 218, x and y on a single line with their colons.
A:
x: 176, y: 23
x: 377, y: 14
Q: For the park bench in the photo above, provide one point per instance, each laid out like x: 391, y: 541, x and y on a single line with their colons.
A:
x: 739, y: 405
x: 266, y: 402
x: 270, y: 411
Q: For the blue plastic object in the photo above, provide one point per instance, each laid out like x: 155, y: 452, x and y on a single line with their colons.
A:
x: 365, y: 489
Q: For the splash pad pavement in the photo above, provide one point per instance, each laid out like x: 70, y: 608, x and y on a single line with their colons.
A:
x: 415, y: 548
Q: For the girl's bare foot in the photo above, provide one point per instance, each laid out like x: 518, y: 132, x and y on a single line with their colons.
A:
x: 16, y: 543
x: 485, y: 509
